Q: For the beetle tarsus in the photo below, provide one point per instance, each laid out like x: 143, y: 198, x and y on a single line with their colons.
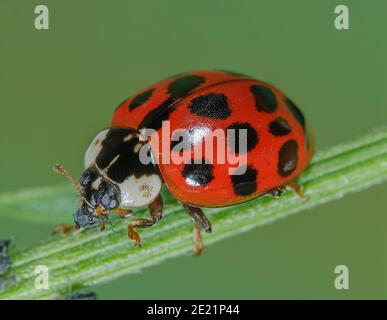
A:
x: 63, y: 229
x: 133, y: 235
x: 297, y: 189
x: 198, y: 240
x: 156, y: 212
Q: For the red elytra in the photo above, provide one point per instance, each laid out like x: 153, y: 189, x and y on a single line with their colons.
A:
x: 279, y: 143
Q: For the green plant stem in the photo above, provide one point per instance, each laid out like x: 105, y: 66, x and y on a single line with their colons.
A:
x: 94, y: 257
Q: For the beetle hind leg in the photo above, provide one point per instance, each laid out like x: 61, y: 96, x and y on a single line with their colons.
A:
x: 293, y: 186
x: 277, y: 192
x: 156, y: 213
x: 201, y: 222
x: 297, y: 189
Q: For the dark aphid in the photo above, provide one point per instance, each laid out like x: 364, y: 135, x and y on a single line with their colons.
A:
x: 86, y: 295
x: 5, y: 265
x: 4, y: 244
x: 5, y: 260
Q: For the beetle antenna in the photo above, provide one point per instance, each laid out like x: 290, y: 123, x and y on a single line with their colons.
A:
x: 59, y: 169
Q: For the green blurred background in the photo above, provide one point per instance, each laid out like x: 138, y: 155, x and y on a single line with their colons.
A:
x: 59, y: 87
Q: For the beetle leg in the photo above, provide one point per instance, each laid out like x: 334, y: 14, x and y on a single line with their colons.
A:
x: 122, y: 212
x: 63, y: 229
x: 156, y: 213
x: 198, y: 217
x: 277, y: 192
x: 198, y: 240
x: 297, y: 189
x: 103, y: 223
x: 101, y: 213
x: 201, y: 223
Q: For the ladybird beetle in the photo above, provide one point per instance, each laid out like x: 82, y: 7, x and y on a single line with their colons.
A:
x: 278, y: 147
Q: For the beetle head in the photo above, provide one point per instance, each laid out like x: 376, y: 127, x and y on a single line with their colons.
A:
x: 95, y: 193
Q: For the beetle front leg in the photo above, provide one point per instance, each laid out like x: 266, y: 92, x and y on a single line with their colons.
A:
x: 156, y: 212
x: 124, y: 213
x: 63, y: 229
x: 102, y: 213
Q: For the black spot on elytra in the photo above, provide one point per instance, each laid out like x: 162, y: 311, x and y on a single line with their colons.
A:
x: 155, y: 118
x: 198, y: 174
x: 182, y: 86
x: 288, y: 158
x: 296, y: 112
x: 246, y: 183
x: 265, y: 99
x: 127, y: 162
x: 233, y: 138
x: 279, y: 127
x: 212, y: 105
x: 140, y: 99
x: 177, y: 89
